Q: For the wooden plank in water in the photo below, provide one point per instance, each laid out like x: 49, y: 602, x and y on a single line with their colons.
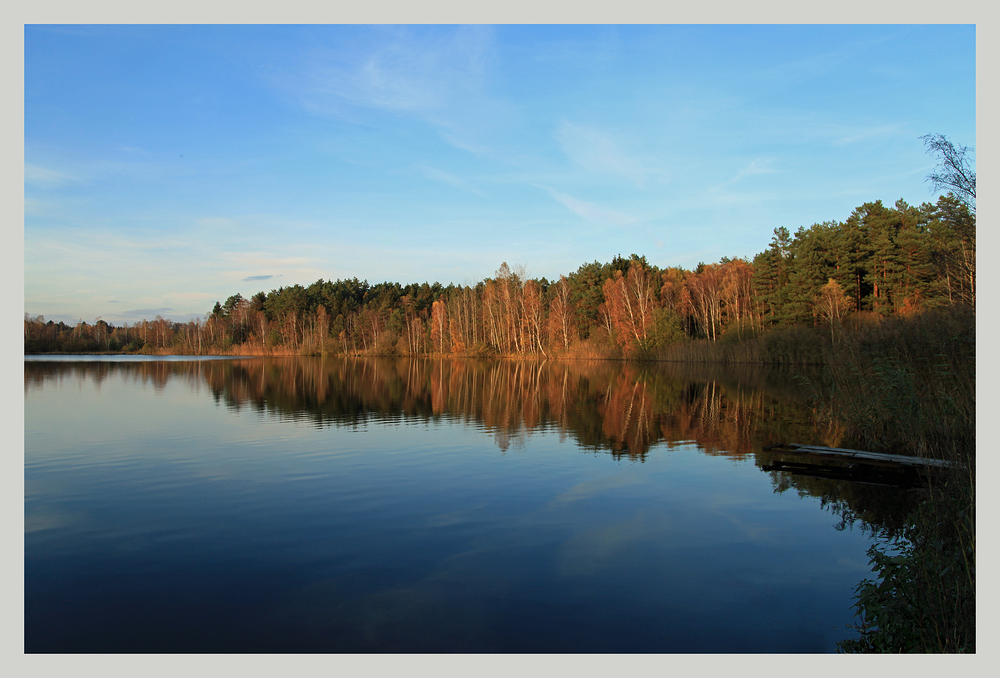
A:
x: 859, y: 455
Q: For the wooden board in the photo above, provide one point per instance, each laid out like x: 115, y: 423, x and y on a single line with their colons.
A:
x: 859, y: 455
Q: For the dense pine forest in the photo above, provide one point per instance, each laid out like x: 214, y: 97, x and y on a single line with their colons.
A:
x: 880, y: 262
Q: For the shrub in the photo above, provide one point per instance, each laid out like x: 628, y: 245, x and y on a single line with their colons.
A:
x: 924, y: 599
x: 480, y: 350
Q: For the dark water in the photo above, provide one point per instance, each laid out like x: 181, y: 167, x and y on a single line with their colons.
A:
x: 325, y: 505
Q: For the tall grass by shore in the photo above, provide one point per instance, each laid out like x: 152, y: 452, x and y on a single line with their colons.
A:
x: 793, y: 345
x: 909, y: 385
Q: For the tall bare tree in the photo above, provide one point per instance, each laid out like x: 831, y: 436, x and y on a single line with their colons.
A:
x: 955, y: 170
x: 561, y: 321
x: 439, y: 325
x: 531, y: 315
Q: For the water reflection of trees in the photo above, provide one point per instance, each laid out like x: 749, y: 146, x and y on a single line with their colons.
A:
x: 619, y: 408
x: 155, y: 373
x: 879, y: 509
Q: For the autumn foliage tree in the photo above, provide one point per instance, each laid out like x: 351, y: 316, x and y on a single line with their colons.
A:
x: 439, y: 327
x: 832, y: 304
x: 531, y: 317
x: 561, y: 318
x: 705, y: 286
x: 629, y: 303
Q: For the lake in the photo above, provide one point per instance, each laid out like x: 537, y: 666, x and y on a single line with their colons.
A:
x: 407, y: 505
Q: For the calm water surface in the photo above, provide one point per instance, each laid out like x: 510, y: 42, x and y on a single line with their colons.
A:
x: 331, y: 505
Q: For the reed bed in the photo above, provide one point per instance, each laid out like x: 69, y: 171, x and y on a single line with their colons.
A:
x: 908, y: 385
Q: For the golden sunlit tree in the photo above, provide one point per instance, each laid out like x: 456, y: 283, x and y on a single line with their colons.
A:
x: 629, y: 305
x: 705, y: 287
x: 531, y: 315
x: 737, y: 293
x: 832, y: 304
x: 439, y: 325
x: 561, y: 321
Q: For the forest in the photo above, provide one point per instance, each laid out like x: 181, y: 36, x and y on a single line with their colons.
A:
x: 879, y: 262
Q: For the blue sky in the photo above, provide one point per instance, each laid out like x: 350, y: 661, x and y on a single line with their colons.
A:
x: 169, y: 167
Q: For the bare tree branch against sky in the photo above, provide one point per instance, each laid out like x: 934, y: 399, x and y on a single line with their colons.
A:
x: 956, y: 168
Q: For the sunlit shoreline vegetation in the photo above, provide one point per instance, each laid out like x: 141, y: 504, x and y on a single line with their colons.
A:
x: 881, y: 262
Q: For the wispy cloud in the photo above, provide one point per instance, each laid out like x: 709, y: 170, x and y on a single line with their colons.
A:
x: 465, y: 141
x: 266, y: 259
x: 101, y: 171
x: 392, y: 68
x: 605, y: 547
x: 744, y: 198
x: 35, y: 207
x: 252, y: 278
x: 42, y: 177
x: 438, y: 75
x: 591, y: 212
x: 213, y: 223
x: 448, y: 178
x: 788, y: 73
x: 867, y: 134
x: 756, y: 167
x: 595, y: 151
x: 590, y: 488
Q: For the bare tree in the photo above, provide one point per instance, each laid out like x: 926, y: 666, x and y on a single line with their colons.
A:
x: 439, y: 324
x: 955, y: 171
x: 561, y: 315
x: 532, y: 317
x: 706, y: 298
x: 832, y: 304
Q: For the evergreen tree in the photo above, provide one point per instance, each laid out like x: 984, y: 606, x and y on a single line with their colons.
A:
x: 953, y: 232
x: 586, y: 293
x: 853, y: 249
x: 771, y: 271
x: 811, y: 265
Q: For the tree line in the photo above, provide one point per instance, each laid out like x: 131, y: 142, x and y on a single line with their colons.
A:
x: 880, y: 261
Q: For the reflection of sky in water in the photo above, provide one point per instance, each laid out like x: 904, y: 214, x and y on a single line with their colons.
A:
x: 408, y: 536
x: 590, y: 488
